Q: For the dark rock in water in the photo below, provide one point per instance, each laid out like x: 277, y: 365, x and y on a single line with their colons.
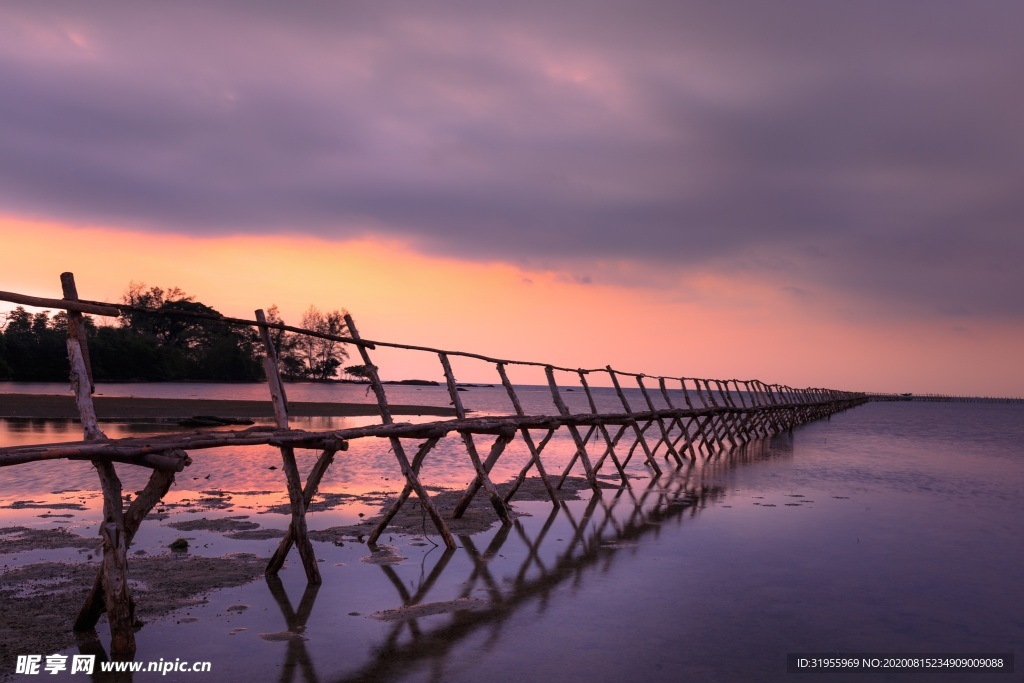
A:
x: 179, y: 546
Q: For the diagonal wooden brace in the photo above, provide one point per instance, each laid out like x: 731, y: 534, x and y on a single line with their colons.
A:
x: 412, y: 483
x: 308, y: 492
x: 156, y: 488
x: 298, y: 529
x: 483, y: 479
x: 535, y: 450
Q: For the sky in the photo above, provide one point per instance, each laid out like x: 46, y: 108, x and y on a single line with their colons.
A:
x: 807, y: 192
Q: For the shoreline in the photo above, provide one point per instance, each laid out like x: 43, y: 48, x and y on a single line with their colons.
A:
x: 54, y: 406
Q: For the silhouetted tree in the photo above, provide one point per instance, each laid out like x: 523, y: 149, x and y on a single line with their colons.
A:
x: 5, y: 369
x: 34, y: 346
x: 176, y: 338
x: 321, y: 358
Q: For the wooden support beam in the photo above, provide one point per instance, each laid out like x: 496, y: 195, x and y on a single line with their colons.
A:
x: 609, y: 451
x: 535, y: 460
x: 482, y: 472
x: 298, y: 532
x: 497, y: 448
x: 308, y: 492
x: 411, y: 475
x: 117, y: 597
x: 609, y: 443
x: 636, y: 428
x: 159, y: 484
x: 535, y: 451
x: 581, y: 446
x: 417, y: 462
x: 684, y: 429
x: 661, y: 426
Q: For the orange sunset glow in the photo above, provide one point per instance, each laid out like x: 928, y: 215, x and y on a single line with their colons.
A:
x: 693, y: 324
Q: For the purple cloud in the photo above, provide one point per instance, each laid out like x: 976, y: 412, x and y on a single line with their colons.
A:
x: 865, y: 146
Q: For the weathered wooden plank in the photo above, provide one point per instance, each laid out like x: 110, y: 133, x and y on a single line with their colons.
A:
x: 117, y: 597
x: 63, y: 304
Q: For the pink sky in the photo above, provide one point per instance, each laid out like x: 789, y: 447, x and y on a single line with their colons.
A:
x: 698, y: 324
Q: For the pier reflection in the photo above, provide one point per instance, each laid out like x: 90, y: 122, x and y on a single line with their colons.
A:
x: 297, y: 659
x: 472, y: 591
x: 608, y: 524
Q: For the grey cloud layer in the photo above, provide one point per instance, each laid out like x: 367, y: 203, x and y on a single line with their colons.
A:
x: 870, y: 146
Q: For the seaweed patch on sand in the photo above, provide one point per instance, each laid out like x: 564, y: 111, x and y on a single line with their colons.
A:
x: 16, y: 539
x: 429, y: 609
x: 42, y: 505
x: 223, y: 524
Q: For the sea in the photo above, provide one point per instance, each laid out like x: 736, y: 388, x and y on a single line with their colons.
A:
x: 890, y: 531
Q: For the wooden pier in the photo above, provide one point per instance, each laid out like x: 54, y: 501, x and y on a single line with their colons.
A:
x: 944, y: 398
x: 714, y: 417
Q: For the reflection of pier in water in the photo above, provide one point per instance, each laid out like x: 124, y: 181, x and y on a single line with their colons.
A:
x: 610, y: 522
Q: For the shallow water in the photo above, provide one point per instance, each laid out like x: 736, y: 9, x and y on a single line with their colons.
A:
x: 485, y: 399
x: 892, y: 527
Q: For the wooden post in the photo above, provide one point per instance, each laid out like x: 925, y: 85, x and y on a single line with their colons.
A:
x: 746, y: 417
x: 684, y: 429
x: 411, y: 475
x: 298, y: 532
x: 736, y: 416
x: 636, y: 428
x: 706, y: 442
x: 710, y: 428
x: 725, y: 418
x: 610, y: 443
x: 308, y: 492
x: 581, y: 446
x: 761, y: 406
x: 661, y: 425
x: 528, y: 439
x: 482, y: 468
x: 115, y: 549
x: 156, y: 488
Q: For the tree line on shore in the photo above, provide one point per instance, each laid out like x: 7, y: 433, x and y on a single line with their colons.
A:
x: 164, y: 347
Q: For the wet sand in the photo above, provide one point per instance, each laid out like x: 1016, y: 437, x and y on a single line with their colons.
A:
x: 51, y: 406
x: 41, y: 600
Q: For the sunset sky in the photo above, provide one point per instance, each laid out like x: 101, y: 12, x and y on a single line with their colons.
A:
x: 807, y: 192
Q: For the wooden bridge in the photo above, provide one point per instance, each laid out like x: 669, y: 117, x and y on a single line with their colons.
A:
x: 715, y: 416
x: 944, y: 398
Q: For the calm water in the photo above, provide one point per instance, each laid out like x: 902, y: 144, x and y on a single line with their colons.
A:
x: 892, y: 527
